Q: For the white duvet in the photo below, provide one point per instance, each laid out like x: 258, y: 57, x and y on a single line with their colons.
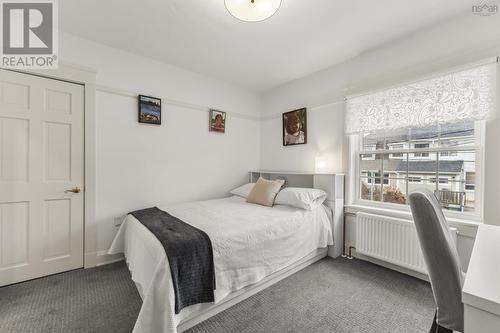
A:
x: 249, y: 243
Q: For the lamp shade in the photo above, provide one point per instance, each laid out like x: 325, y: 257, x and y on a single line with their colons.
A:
x: 252, y: 10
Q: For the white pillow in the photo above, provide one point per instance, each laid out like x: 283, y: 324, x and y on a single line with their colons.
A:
x: 305, y: 198
x: 244, y: 190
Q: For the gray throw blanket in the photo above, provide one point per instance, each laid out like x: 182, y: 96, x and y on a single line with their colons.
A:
x: 190, y: 255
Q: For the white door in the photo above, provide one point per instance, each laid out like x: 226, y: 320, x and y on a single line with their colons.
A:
x: 41, y: 157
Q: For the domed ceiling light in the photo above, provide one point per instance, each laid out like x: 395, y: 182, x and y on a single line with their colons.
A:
x: 252, y: 10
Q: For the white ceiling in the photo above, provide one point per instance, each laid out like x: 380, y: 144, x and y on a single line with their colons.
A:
x: 200, y: 35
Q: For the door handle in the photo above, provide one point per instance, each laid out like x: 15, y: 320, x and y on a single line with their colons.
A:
x: 73, y: 190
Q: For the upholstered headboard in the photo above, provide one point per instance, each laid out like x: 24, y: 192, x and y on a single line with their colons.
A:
x: 332, y: 184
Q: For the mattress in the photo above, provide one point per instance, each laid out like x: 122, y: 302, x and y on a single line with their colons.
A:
x: 249, y: 243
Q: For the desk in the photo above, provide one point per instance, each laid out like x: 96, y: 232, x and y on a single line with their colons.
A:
x: 481, y: 290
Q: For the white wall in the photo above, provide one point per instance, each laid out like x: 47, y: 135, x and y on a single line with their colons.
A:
x: 459, y: 41
x: 325, y: 137
x: 140, y: 165
x: 456, y: 42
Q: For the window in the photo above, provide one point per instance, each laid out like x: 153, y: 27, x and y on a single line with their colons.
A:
x: 368, y: 156
x: 448, y: 153
x: 427, y: 133
x: 374, y: 178
x: 414, y: 179
x: 421, y: 146
x: 447, y: 167
x: 396, y: 146
x: 470, y: 181
x: 442, y: 180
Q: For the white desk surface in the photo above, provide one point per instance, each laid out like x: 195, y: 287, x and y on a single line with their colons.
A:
x: 482, y: 283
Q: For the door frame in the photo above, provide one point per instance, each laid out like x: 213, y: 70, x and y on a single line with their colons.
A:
x: 87, y: 77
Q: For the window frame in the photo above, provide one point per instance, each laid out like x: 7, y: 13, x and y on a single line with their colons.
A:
x: 356, y: 142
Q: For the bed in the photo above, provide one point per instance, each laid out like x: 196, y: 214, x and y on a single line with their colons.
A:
x: 253, y: 246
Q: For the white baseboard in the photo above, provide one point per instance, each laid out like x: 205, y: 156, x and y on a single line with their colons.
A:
x: 103, y: 258
x: 100, y: 258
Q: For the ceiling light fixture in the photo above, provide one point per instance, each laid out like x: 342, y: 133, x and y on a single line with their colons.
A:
x: 252, y: 10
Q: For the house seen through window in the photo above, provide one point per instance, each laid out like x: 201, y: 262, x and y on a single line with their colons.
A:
x: 441, y: 158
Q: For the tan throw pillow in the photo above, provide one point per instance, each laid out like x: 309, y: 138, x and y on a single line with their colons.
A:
x: 264, y: 191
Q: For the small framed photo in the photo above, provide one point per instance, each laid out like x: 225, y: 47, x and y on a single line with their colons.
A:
x: 149, y: 110
x: 295, y: 127
x: 217, y: 121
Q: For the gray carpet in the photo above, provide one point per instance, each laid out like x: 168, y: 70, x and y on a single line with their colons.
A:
x: 102, y: 299
x: 329, y: 296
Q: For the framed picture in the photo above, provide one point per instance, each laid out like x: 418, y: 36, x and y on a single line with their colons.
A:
x: 217, y: 121
x: 295, y: 127
x: 149, y: 110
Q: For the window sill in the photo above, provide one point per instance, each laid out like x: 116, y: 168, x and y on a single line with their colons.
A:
x: 467, y: 228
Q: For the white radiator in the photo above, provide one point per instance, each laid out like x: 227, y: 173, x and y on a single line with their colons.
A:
x: 389, y: 239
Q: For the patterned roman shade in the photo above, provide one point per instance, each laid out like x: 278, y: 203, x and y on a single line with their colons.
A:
x: 458, y: 96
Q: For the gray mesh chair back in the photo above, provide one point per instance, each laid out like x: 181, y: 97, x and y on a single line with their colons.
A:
x: 441, y: 258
